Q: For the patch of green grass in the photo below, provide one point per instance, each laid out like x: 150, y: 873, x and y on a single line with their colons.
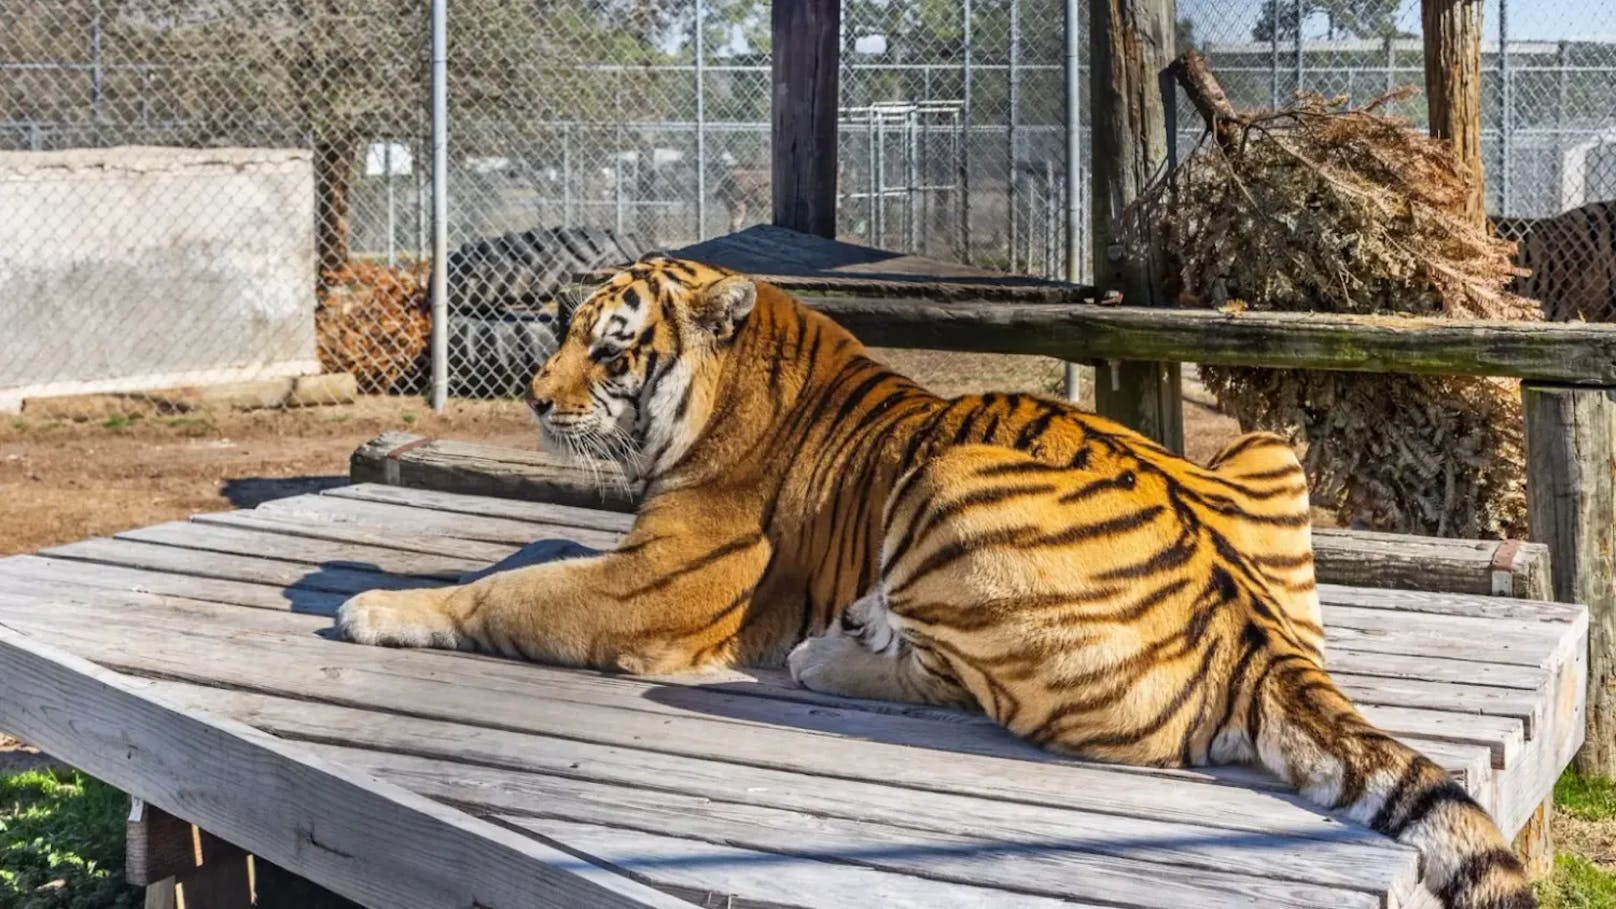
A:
x: 1577, y: 884
x: 117, y: 421
x: 19, y: 425
x: 61, y: 843
x: 1588, y: 798
x: 408, y: 417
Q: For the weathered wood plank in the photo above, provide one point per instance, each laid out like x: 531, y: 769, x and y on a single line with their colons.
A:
x: 500, y: 693
x: 133, y: 554
x: 1571, y: 504
x: 1361, y: 558
x: 404, y: 459
x: 365, y: 839
x: 213, y: 538
x: 157, y: 844
x: 209, y: 589
x: 723, y: 877
x: 1101, y: 860
x: 1569, y: 352
x: 804, y: 80
x: 394, y: 538
x: 1423, y: 601
x: 420, y: 520
x: 544, y: 513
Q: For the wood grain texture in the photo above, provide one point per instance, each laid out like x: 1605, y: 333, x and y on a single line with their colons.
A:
x: 1452, y: 35
x: 1574, y: 353
x: 281, y: 801
x: 806, y: 59
x: 1571, y: 506
x: 1131, y: 45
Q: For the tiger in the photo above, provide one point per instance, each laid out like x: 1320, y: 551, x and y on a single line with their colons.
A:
x: 1570, y: 262
x: 805, y: 505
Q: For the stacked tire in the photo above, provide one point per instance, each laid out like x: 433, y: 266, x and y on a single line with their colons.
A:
x: 504, y: 317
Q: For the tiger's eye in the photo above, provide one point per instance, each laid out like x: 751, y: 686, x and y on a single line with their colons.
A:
x: 617, y: 365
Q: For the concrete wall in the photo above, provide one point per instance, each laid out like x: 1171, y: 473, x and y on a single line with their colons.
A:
x: 138, y: 267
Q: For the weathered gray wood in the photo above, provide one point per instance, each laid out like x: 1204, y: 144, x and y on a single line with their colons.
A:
x: 214, y: 538
x: 404, y: 459
x: 490, y: 506
x: 224, y: 566
x: 806, y: 58
x: 1570, y: 352
x: 579, y: 706
x: 1424, y: 601
x: 444, y: 523
x: 363, y: 838
x: 1359, y: 558
x: 1131, y: 44
x: 723, y: 877
x: 211, y: 589
x: 1106, y: 857
x: 1571, y: 499
x: 393, y: 538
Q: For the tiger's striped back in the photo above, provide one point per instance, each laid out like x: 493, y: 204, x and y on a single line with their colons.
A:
x: 1129, y: 610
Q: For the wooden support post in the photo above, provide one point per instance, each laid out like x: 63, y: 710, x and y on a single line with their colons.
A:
x: 1131, y: 44
x: 1571, y: 500
x: 1452, y: 30
x: 807, y: 60
x: 179, y: 862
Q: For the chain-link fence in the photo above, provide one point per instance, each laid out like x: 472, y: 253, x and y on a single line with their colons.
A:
x: 201, y: 192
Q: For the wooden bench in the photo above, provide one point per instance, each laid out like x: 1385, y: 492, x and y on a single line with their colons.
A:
x: 188, y: 664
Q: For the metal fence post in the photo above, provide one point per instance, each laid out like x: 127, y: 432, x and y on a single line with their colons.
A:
x: 440, y: 205
x: 1505, y: 115
x: 701, y: 120
x: 1074, y: 151
x: 1010, y: 138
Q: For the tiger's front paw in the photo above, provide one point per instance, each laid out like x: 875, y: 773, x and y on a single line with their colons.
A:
x: 400, y: 618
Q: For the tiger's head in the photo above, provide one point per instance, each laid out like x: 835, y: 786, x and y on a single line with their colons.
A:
x: 632, y: 379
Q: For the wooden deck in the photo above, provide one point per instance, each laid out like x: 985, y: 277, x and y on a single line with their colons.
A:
x: 189, y: 665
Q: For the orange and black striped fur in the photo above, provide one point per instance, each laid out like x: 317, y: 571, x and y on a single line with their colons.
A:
x: 1085, y: 587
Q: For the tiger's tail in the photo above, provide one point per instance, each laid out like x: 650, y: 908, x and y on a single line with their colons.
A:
x: 1303, y: 728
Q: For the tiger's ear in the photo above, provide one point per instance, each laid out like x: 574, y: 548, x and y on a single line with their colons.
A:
x: 724, y: 304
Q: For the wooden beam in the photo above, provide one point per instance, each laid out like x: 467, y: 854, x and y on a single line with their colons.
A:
x: 1572, y: 353
x: 1131, y: 44
x: 366, y: 840
x: 1452, y: 32
x: 1571, y: 504
x: 807, y: 61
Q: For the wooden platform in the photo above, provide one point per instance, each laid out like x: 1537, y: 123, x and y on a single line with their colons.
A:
x: 188, y: 664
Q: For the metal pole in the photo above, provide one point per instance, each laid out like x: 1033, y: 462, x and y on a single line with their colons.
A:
x: 566, y: 173
x: 1298, y: 8
x: 96, y: 75
x: 880, y: 178
x: 387, y: 171
x: 965, y: 141
x: 1015, y: 114
x: 701, y: 120
x: 874, y: 180
x: 911, y: 166
x: 1391, y: 64
x: 440, y: 205
x: 1562, y: 60
x: 1506, y: 119
x: 1074, y: 152
x: 617, y: 156
x: 1273, y: 63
